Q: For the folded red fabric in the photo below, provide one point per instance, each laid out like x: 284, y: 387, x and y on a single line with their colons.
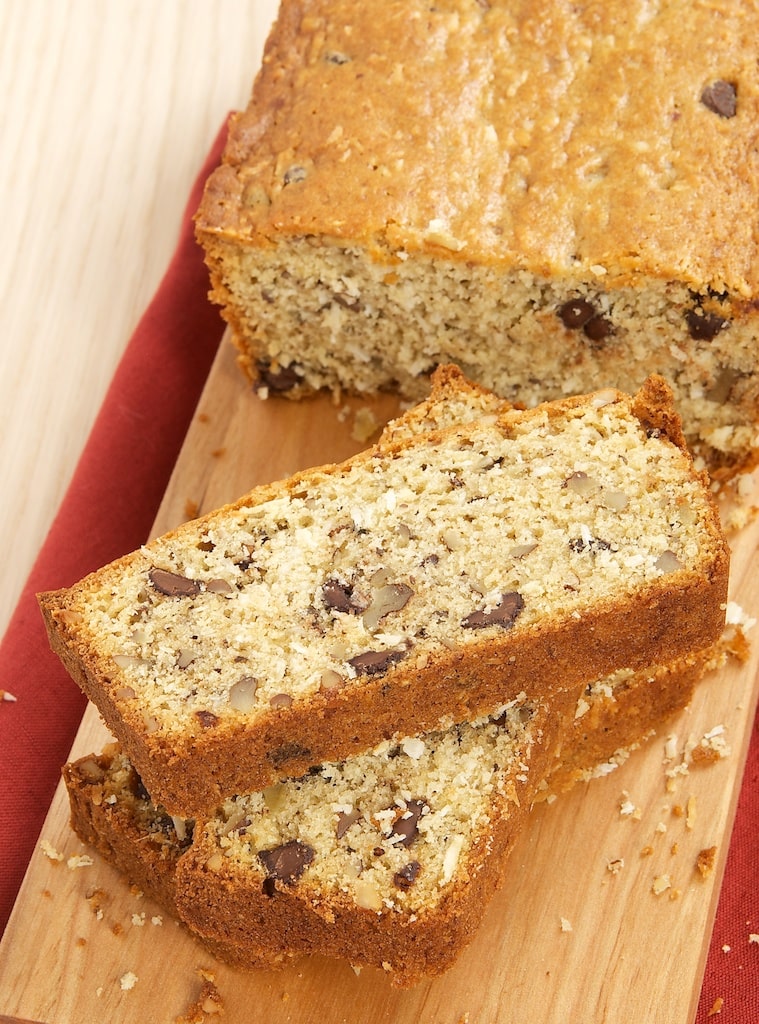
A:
x: 109, y: 509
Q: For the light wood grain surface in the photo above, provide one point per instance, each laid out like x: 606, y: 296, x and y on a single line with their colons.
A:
x: 109, y: 107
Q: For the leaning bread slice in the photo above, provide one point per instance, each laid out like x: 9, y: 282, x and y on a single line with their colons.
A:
x: 386, y: 859
x: 617, y: 713
x: 421, y: 583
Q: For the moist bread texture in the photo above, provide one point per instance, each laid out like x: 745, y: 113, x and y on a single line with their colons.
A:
x: 422, y: 583
x: 554, y: 196
x: 387, y: 859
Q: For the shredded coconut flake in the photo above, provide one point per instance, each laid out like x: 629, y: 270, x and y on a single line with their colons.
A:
x: 79, y: 861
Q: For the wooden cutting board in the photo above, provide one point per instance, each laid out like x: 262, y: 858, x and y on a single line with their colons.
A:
x: 577, y: 931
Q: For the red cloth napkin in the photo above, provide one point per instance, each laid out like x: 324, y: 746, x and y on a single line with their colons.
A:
x: 109, y: 509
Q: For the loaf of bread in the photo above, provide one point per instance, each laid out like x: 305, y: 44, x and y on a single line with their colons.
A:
x: 557, y: 197
x: 419, y: 584
x: 387, y: 859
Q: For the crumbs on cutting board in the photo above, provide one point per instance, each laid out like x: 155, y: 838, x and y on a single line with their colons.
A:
x: 208, y: 1003
x: 76, y: 860
x: 680, y: 757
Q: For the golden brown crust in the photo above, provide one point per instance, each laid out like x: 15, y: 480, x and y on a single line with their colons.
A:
x: 607, y: 727
x: 366, y: 121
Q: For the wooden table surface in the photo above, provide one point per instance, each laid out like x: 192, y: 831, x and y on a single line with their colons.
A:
x: 109, y: 107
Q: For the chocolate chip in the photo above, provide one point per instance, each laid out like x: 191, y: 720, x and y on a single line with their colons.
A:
x: 372, y: 663
x: 405, y: 826
x: 597, y: 328
x: 406, y: 877
x: 504, y: 614
x: 704, y: 326
x: 283, y: 379
x: 286, y: 863
x: 721, y: 98
x: 344, y: 821
x: 339, y: 597
x: 575, y: 313
x: 171, y: 584
x: 207, y: 719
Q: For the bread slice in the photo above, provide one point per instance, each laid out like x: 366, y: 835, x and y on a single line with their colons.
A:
x: 419, y: 584
x: 614, y: 714
x: 387, y: 859
x: 554, y: 196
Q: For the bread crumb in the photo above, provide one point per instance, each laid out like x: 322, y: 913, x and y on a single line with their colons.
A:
x: 660, y: 884
x: 6, y: 696
x: 712, y: 747
x: 365, y: 424
x: 565, y: 925
x: 690, y: 818
x: 156, y: 920
x: 615, y: 866
x: 726, y: 948
x: 95, y: 898
x: 705, y: 861
x: 647, y: 851
x: 753, y: 937
x: 208, y: 1004
x: 82, y: 860
x: 99, y: 991
x: 627, y: 808
x: 50, y: 851
x: 716, y: 1007
x: 128, y: 981
x: 138, y: 920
